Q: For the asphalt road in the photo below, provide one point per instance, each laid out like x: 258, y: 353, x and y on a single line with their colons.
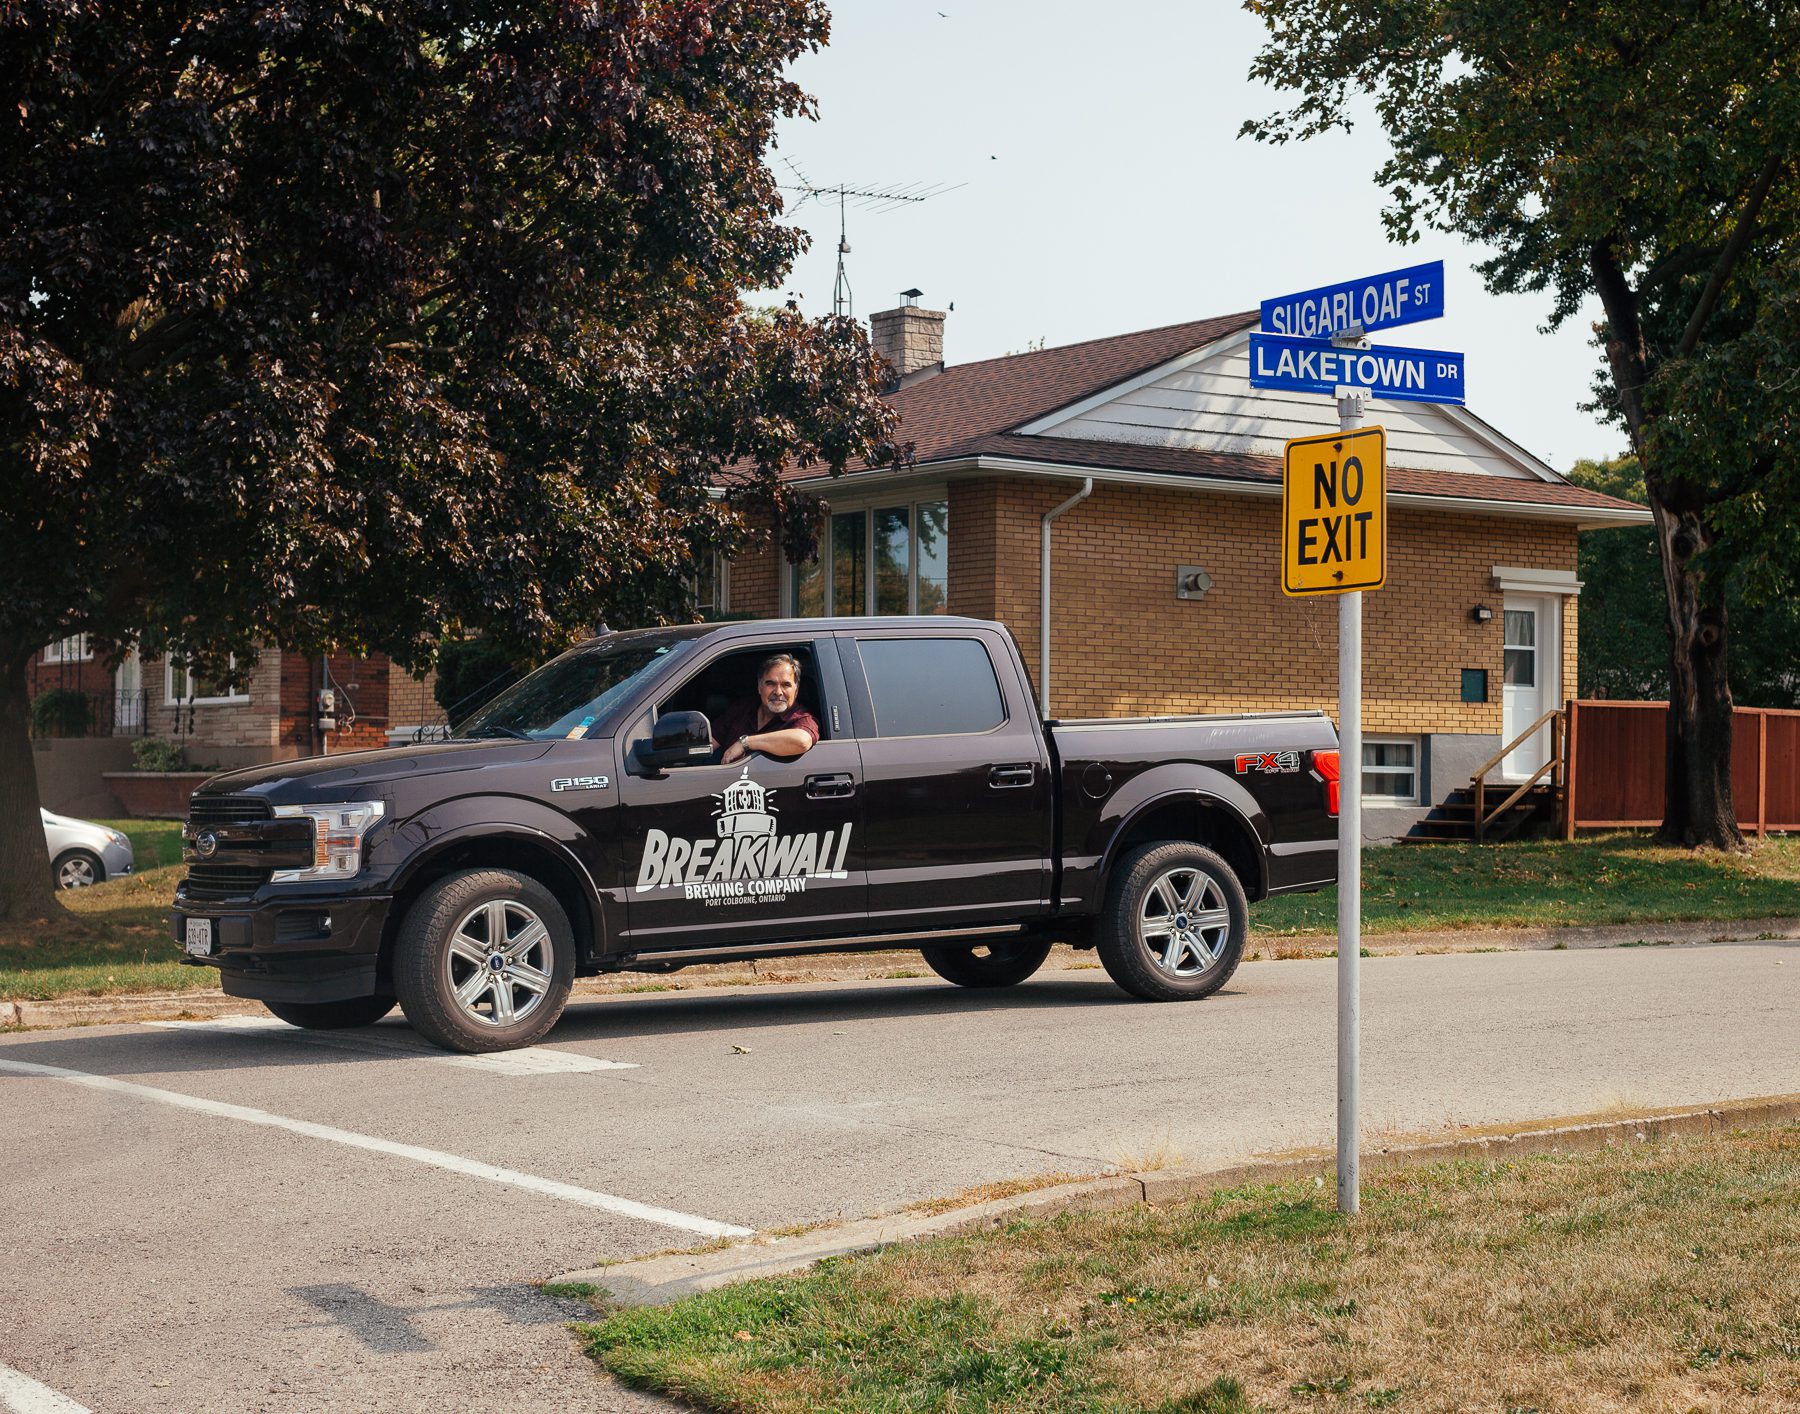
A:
x: 239, y: 1216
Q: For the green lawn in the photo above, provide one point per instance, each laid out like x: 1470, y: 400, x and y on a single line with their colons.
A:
x: 111, y: 938
x: 1648, y: 1276
x: 1546, y: 883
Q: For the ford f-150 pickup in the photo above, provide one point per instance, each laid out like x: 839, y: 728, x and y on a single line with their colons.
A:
x: 583, y: 822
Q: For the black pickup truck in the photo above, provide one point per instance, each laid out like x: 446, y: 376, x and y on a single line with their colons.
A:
x: 582, y: 822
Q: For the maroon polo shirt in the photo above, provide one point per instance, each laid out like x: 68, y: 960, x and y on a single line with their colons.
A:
x: 740, y: 720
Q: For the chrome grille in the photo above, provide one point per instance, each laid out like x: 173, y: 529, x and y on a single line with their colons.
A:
x: 206, y: 810
x: 214, y: 881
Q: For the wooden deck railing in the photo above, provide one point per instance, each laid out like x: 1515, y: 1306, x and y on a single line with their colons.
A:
x: 1552, y: 767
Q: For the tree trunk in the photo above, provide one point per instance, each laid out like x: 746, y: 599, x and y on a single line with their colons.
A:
x: 26, y: 894
x: 1698, y: 810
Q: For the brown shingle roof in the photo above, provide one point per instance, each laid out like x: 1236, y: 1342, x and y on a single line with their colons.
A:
x: 971, y: 409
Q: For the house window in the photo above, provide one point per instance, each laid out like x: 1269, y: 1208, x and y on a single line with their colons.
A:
x: 711, y: 588
x: 892, y: 559
x: 184, y: 686
x: 1521, y: 648
x: 74, y: 649
x: 1390, y: 770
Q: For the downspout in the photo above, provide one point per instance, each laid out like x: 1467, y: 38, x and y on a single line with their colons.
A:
x: 1087, y: 489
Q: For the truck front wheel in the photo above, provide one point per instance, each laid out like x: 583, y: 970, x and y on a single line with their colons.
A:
x: 484, y: 961
x: 1175, y: 923
x: 1002, y: 964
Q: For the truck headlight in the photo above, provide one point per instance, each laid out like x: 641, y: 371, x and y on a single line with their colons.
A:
x: 338, y: 833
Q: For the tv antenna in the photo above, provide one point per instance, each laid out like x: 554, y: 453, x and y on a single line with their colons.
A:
x: 874, y: 200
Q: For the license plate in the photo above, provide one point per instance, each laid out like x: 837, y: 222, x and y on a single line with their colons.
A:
x: 199, y: 937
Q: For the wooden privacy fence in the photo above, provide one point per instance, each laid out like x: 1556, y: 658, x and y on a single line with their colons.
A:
x: 1617, y: 760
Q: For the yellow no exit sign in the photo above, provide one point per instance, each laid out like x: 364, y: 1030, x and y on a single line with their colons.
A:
x: 1334, y: 513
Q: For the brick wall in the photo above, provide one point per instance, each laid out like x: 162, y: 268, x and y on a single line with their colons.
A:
x: 756, y: 579
x: 232, y: 733
x: 1122, y: 643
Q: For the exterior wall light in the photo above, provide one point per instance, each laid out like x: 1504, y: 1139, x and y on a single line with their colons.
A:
x: 1191, y: 582
x: 1481, y: 613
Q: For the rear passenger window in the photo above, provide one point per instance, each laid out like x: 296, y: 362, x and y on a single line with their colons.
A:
x: 931, y: 686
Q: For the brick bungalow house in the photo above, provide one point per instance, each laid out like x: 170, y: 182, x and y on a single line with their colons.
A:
x: 1472, y: 640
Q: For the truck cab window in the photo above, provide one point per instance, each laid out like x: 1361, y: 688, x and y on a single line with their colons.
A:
x: 931, y: 686
x: 731, y: 679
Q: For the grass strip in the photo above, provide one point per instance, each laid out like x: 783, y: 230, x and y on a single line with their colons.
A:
x: 1655, y: 1275
x: 1550, y: 884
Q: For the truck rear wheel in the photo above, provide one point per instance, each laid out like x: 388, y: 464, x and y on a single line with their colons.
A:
x: 484, y: 961
x: 1175, y: 924
x: 332, y: 1016
x: 999, y: 964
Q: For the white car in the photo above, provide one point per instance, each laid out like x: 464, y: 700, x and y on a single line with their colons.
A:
x: 83, y: 853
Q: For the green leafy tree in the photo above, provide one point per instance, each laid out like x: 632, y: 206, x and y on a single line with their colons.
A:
x: 1625, y: 629
x: 331, y: 324
x: 1643, y: 153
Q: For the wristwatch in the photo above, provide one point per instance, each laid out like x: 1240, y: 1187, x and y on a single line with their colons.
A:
x: 744, y: 741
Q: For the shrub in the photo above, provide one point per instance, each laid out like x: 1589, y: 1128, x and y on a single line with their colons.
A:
x: 62, y: 711
x: 154, y: 753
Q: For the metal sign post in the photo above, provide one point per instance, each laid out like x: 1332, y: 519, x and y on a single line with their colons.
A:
x: 1351, y: 402
x: 1334, y: 541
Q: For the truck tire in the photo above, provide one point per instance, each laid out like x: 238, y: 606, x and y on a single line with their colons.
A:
x: 1175, y: 922
x: 999, y: 964
x: 332, y: 1016
x: 484, y: 961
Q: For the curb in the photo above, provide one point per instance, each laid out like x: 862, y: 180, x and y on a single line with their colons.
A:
x: 653, y: 1281
x: 206, y: 1003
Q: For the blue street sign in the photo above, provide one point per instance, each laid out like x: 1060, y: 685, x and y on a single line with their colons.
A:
x: 1319, y: 366
x: 1379, y: 302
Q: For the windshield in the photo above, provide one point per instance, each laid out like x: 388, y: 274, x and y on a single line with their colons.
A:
x: 568, y: 695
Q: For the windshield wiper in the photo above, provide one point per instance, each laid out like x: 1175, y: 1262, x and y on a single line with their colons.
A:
x: 490, y: 731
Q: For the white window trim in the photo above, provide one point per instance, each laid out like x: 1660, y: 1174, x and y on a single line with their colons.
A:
x: 866, y: 505
x: 57, y: 652
x: 1418, y: 755
x: 171, y: 700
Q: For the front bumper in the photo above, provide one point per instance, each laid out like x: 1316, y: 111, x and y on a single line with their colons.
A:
x: 290, y: 949
x: 117, y: 858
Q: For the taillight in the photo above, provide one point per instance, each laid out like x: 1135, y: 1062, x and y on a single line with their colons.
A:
x: 1325, y: 768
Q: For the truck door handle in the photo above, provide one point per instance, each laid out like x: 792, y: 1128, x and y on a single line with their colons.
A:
x: 1011, y: 777
x: 831, y: 787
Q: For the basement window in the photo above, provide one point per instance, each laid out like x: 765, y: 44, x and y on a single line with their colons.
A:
x: 1390, y: 770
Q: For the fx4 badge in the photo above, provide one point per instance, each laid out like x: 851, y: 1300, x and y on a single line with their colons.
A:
x: 580, y: 783
x: 1270, y: 762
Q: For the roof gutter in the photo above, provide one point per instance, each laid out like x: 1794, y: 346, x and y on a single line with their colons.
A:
x: 928, y: 473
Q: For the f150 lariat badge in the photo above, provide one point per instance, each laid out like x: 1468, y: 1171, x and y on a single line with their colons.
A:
x: 750, y: 860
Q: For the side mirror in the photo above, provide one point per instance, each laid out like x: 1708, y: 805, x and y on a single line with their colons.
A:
x: 678, y: 739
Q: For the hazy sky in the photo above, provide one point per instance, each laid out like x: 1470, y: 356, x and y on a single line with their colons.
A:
x: 1105, y: 190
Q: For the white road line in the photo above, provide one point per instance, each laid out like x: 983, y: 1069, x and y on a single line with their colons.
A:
x: 387, y: 1041
x: 24, y: 1395
x: 432, y: 1158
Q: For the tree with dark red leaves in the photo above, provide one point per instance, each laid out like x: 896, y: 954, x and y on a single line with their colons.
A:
x: 330, y: 324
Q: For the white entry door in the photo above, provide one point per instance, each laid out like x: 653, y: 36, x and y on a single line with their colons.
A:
x: 1532, y: 678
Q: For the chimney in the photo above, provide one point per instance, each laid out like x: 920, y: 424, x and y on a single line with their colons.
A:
x: 910, y: 339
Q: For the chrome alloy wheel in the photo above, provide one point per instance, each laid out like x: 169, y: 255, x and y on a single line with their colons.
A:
x: 76, y: 872
x: 1183, y: 921
x: 499, y: 963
